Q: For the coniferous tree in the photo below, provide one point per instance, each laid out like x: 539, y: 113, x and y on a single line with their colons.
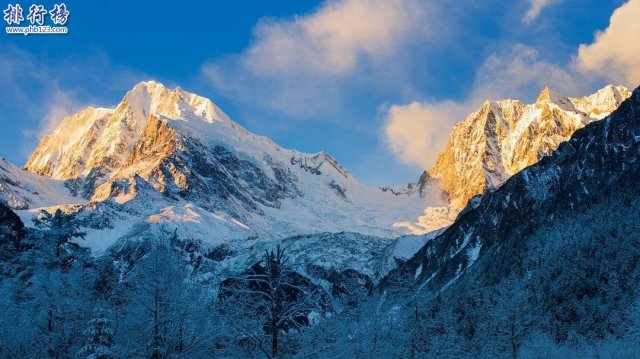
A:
x: 99, y: 339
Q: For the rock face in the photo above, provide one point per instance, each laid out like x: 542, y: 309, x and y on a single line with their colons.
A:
x: 504, y: 137
x: 170, y: 158
x: 100, y: 139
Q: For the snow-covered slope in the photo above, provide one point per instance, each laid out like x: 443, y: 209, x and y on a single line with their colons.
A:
x: 432, y: 219
x: 503, y: 137
x: 20, y: 189
x: 337, y: 262
x: 172, y: 159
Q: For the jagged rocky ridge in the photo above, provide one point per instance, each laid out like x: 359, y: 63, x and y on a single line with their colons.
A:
x: 545, y: 265
x: 169, y: 158
x: 503, y: 137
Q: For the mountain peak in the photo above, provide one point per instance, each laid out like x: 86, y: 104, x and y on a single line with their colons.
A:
x: 611, y: 93
x: 150, y: 97
x: 149, y: 84
x: 154, y: 89
x: 102, y: 138
x: 182, y: 148
x: 547, y: 94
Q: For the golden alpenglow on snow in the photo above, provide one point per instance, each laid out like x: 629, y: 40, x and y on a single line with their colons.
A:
x: 503, y: 137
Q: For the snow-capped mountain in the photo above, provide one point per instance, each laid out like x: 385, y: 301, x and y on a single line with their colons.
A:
x: 598, y: 166
x: 546, y: 263
x: 503, y: 137
x: 170, y: 158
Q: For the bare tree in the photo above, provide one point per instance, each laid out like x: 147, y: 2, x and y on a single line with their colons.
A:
x: 268, y: 299
x: 165, y: 307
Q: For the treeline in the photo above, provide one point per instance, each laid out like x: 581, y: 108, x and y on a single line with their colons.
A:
x: 565, y: 289
x: 147, y: 300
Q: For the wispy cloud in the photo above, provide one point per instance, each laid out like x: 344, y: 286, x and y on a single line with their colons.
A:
x: 615, y: 52
x: 303, y: 65
x: 535, y: 9
x: 331, y: 40
x: 59, y: 104
x: 33, y: 93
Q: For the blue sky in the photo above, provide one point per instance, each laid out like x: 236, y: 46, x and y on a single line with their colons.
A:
x: 378, y: 84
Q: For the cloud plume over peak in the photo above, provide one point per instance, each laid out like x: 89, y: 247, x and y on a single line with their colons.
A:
x: 418, y: 132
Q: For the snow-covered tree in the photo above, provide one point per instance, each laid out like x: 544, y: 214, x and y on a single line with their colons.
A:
x: 48, y: 300
x: 99, y: 339
x: 57, y: 238
x: 166, y: 311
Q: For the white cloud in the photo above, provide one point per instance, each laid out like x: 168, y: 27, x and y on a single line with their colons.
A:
x: 303, y: 65
x: 615, y: 52
x: 535, y: 9
x: 331, y: 39
x: 418, y: 132
x: 518, y: 72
